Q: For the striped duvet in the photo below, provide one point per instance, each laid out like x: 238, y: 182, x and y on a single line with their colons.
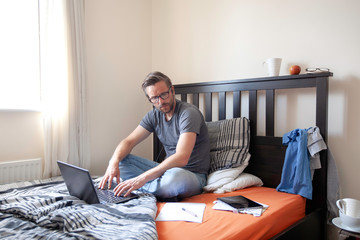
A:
x: 46, y: 211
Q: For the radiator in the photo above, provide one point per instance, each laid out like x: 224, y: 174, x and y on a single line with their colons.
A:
x: 22, y: 170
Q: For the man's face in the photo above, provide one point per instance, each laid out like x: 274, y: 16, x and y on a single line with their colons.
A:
x: 157, y: 92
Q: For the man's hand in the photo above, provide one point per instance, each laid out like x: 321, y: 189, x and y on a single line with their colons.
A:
x: 111, y: 172
x: 121, y: 151
x: 130, y: 185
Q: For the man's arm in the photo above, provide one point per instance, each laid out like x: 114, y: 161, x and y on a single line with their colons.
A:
x: 181, y: 157
x: 121, y: 151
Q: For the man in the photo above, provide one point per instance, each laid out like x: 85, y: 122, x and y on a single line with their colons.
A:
x: 181, y: 129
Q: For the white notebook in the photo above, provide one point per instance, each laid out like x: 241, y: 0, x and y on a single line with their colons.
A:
x: 190, y: 212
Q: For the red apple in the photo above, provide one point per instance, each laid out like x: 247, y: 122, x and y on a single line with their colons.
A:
x: 295, y: 70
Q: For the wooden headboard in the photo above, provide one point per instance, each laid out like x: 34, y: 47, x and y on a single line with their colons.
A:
x: 267, y: 152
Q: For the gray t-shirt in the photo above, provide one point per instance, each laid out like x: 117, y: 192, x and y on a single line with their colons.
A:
x: 186, y: 118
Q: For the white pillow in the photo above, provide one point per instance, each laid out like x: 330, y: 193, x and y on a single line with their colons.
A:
x: 243, y: 181
x: 219, y: 178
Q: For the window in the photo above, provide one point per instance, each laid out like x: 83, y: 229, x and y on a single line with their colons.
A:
x: 19, y: 55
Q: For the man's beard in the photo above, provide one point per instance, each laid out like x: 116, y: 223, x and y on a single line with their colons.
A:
x: 170, y: 106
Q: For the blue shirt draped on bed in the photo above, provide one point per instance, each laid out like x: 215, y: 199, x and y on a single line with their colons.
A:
x: 296, y: 174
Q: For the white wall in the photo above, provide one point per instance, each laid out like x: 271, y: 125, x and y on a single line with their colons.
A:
x: 21, y: 135
x: 118, y: 38
x: 208, y: 40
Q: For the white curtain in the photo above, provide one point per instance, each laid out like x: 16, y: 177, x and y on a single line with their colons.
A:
x: 63, y: 83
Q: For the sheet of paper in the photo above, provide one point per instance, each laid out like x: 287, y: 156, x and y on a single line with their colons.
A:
x: 190, y: 212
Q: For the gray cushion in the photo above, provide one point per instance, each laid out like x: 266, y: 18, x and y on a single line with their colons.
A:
x: 229, y: 143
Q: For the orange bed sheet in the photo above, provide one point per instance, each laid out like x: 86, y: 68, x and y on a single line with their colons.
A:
x: 283, y: 211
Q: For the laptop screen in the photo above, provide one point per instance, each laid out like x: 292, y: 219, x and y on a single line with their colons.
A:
x: 78, y: 182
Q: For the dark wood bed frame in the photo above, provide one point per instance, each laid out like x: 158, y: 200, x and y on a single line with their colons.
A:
x: 267, y: 152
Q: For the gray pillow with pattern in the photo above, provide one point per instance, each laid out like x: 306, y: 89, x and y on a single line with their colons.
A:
x: 229, y: 143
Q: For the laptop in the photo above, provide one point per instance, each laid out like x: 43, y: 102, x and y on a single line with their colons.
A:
x: 79, y: 184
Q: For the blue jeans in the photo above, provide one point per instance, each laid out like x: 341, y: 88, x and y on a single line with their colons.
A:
x: 175, y: 184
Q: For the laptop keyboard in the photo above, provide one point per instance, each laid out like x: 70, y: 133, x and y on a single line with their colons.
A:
x: 108, y: 196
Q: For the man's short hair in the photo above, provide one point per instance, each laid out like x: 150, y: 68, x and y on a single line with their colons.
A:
x: 153, y: 78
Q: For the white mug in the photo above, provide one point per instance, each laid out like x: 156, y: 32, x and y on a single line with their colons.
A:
x: 349, y: 207
x: 273, y: 66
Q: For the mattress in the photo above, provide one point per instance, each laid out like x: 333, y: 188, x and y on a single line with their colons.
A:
x: 284, y: 210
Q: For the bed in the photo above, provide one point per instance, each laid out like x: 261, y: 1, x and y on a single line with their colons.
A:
x: 43, y: 209
x: 306, y: 219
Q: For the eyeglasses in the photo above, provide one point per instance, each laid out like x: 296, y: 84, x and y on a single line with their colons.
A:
x: 163, y: 96
x: 317, y: 70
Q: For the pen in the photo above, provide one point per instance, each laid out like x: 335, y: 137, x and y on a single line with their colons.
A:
x: 189, y: 212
